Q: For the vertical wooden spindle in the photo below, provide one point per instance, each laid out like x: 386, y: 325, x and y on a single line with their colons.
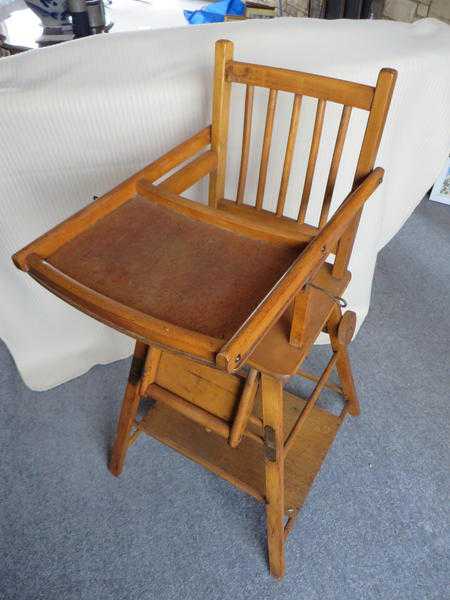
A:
x: 318, y: 125
x: 290, y: 147
x: 266, y: 148
x: 246, y: 136
x: 335, y: 162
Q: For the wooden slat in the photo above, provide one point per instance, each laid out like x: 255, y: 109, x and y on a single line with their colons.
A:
x: 151, y: 366
x: 303, y: 304
x: 246, y: 138
x: 306, y: 84
x: 74, y: 225
x: 289, y: 155
x: 220, y: 119
x: 186, y: 177
x: 195, y: 413
x: 245, y: 408
x: 243, y: 342
x: 267, y: 219
x: 366, y: 161
x: 271, y: 104
x: 314, y: 151
x: 335, y: 162
x: 332, y: 386
x: 232, y: 221
x: 310, y: 403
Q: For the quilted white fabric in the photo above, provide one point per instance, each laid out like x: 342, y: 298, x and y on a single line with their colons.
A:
x: 78, y: 118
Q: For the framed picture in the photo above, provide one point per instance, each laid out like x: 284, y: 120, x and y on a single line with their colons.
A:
x: 441, y: 189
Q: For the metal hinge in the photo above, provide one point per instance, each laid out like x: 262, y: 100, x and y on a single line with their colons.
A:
x: 270, y: 447
x: 137, y: 366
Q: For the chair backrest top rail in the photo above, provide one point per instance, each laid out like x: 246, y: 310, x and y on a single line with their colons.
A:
x: 340, y: 91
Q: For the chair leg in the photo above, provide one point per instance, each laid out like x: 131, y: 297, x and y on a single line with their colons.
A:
x: 272, y: 408
x: 343, y: 365
x: 129, y: 409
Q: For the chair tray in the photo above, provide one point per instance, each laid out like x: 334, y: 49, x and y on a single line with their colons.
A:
x: 177, y: 269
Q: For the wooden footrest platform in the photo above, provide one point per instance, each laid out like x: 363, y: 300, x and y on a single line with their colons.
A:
x: 244, y: 465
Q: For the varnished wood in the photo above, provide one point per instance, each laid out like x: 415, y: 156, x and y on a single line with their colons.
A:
x: 265, y: 152
x: 123, y: 318
x: 301, y: 311
x: 246, y: 138
x: 343, y: 365
x: 346, y: 328
x: 335, y: 162
x: 208, y: 388
x: 244, y: 466
x: 236, y: 350
x: 191, y: 173
x: 128, y: 410
x: 306, y: 84
x: 220, y: 118
x: 195, y: 413
x: 372, y: 137
x: 313, y: 153
x: 151, y: 367
x: 274, y: 353
x: 284, y: 227
x: 245, y: 408
x: 272, y: 409
x: 237, y: 220
x: 74, y: 225
x: 289, y: 155
x: 332, y: 386
x: 310, y: 403
x: 226, y: 301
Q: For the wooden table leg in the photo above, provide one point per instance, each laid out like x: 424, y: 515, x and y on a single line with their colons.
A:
x: 272, y: 407
x: 343, y: 365
x: 129, y: 409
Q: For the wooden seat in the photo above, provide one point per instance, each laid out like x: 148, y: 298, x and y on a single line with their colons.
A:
x: 225, y: 301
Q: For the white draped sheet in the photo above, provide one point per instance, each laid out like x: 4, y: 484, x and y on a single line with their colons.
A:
x: 78, y: 118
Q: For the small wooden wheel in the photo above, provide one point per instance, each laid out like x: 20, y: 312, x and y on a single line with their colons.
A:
x: 346, y: 327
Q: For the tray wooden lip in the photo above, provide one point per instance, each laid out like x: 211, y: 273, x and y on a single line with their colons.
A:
x: 130, y: 321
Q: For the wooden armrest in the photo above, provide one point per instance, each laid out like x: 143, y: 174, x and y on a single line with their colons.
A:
x: 185, y: 177
x: 45, y: 245
x: 239, y: 347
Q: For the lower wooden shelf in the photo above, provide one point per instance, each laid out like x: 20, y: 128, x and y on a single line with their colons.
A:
x: 244, y: 465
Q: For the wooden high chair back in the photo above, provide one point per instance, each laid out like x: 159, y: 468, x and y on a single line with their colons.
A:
x: 226, y: 301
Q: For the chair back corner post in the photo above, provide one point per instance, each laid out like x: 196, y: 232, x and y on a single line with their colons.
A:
x: 366, y: 161
x: 220, y: 119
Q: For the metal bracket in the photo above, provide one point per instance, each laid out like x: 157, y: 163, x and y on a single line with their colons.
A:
x: 137, y: 366
x: 270, y: 447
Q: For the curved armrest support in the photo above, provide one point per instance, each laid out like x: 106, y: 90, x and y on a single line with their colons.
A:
x: 234, y: 353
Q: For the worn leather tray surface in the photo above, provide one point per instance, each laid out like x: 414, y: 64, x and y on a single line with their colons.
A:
x: 175, y: 268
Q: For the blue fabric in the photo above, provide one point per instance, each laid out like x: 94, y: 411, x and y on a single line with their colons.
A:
x: 215, y: 12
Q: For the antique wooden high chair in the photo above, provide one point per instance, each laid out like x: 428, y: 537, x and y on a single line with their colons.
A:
x: 226, y: 300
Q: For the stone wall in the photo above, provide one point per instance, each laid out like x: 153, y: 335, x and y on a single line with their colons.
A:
x: 411, y: 10
x: 397, y: 10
